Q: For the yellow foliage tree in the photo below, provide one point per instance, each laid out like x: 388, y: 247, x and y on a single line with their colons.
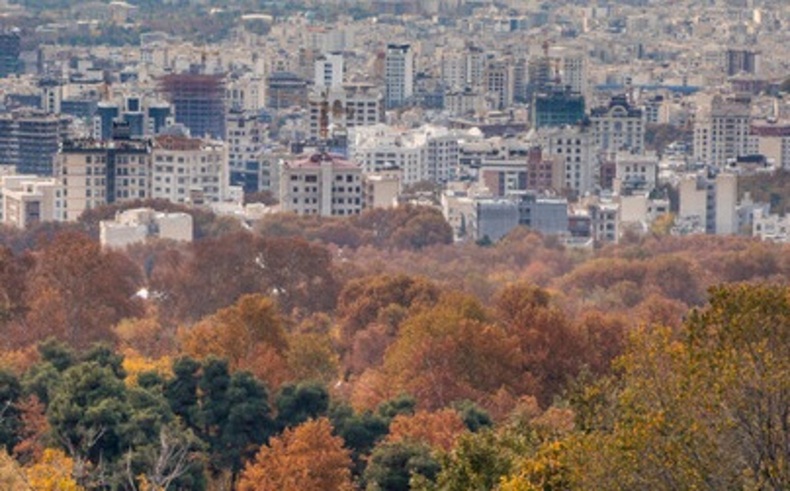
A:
x: 52, y: 473
x: 134, y: 364
x: 11, y: 475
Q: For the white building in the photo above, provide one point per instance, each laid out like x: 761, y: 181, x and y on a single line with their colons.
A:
x: 94, y: 173
x: 427, y: 153
x: 321, y: 184
x: 635, y: 172
x: 329, y: 71
x: 770, y: 226
x: 618, y: 126
x: 28, y: 199
x: 245, y: 136
x: 399, y: 74
x: 350, y: 106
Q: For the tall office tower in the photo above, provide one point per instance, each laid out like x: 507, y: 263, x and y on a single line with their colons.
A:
x: 722, y: 131
x: 742, y: 61
x: 329, y: 71
x: 29, y: 139
x: 9, y: 53
x: 159, y: 117
x: 198, y: 101
x: 618, y: 126
x: 399, y: 74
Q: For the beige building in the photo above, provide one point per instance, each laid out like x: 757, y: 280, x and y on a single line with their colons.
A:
x: 189, y: 170
x: 381, y: 189
x: 321, y: 184
x: 94, y: 173
x: 722, y: 131
x: 137, y: 225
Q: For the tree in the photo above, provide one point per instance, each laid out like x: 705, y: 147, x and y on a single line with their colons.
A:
x: 304, y: 458
x: 359, y: 431
x: 704, y: 408
x: 311, y: 356
x: 393, y: 465
x: 551, y: 349
x: 438, y: 430
x: 238, y: 333
x: 229, y: 412
x: 52, y: 472
x: 451, y: 352
x: 79, y: 291
x: 11, y: 475
x: 10, y: 422
x: 301, y: 402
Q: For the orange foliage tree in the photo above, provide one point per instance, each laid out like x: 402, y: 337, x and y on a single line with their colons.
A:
x: 451, y: 352
x: 78, y: 292
x: 249, y: 334
x: 439, y: 430
x: 305, y: 458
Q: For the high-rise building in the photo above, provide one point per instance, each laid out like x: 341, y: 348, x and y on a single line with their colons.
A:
x: 399, y: 74
x: 9, y: 53
x: 574, y: 146
x: 557, y: 108
x: 189, y: 170
x: 198, y: 101
x: 350, y: 106
x: 284, y: 90
x: 30, y: 138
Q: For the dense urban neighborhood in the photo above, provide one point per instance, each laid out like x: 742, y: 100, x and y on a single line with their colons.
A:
x: 390, y: 245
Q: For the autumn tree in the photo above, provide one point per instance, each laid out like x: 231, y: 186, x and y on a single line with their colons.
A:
x: 248, y: 334
x: 451, y: 352
x: 305, y: 458
x: 79, y: 291
x: 52, y: 472
x: 704, y: 408
x: 550, y: 347
x: 439, y: 430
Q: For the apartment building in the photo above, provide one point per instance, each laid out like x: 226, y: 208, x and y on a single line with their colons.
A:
x: 189, y: 170
x: 321, y: 184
